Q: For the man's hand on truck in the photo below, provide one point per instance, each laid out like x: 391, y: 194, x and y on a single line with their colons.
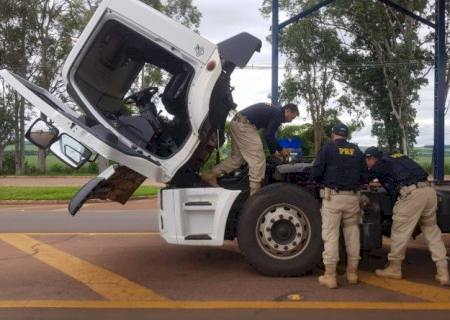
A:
x: 284, y: 153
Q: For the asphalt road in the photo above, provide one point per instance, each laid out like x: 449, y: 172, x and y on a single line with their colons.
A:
x: 108, y: 262
x: 57, y: 219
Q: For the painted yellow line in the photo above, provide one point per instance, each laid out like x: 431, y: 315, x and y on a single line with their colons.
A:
x: 418, y: 290
x: 105, y: 283
x: 205, y: 305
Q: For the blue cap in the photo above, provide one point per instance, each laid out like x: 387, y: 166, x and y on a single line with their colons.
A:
x: 340, y: 129
x: 373, y: 152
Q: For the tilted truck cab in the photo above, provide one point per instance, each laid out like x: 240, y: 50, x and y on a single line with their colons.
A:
x: 166, y: 131
x: 161, y: 132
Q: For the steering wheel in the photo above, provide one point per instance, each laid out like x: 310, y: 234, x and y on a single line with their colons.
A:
x: 139, y: 96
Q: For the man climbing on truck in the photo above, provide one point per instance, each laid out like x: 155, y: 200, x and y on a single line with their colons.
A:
x: 246, y: 144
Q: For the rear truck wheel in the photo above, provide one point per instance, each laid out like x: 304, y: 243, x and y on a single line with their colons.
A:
x: 279, y: 231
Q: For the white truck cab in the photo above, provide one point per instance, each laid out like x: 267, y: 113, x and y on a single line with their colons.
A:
x: 163, y: 132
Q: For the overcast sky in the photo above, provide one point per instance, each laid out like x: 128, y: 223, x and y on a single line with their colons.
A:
x: 223, y: 19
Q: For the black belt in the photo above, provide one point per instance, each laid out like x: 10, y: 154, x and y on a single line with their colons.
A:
x: 413, y: 184
x: 341, y: 189
x: 242, y: 119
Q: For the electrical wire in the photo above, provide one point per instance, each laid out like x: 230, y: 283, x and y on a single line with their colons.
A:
x: 360, y: 65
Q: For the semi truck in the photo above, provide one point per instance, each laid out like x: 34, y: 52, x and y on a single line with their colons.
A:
x: 166, y: 133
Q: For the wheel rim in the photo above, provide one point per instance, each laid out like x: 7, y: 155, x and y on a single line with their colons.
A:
x: 283, y: 231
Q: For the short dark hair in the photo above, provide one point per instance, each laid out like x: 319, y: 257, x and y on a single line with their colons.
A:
x: 291, y: 107
x: 373, y: 152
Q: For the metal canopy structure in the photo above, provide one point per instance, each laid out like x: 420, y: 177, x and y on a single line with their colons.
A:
x: 440, y: 66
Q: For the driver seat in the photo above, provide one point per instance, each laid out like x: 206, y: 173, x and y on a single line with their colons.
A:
x: 137, y: 129
x: 173, y: 95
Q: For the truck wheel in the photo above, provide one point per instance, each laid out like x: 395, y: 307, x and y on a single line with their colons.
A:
x: 279, y: 231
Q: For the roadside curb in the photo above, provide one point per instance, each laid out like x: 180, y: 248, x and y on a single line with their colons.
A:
x: 47, y: 202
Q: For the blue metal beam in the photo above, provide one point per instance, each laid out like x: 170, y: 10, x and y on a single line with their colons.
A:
x: 305, y: 13
x: 275, y: 38
x: 439, y: 98
x: 276, y: 29
x: 405, y: 11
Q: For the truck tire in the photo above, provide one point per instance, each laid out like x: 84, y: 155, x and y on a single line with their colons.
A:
x: 279, y: 231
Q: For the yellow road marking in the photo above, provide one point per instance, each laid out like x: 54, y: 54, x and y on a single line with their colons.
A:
x: 117, y: 288
x: 418, y: 290
x: 104, y: 282
x: 205, y: 305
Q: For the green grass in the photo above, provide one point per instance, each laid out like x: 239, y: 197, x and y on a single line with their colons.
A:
x: 146, y: 191
x: 55, y: 167
x: 57, y: 193
x: 28, y: 147
x: 50, y: 161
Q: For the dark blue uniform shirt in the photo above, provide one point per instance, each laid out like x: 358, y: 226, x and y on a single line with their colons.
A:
x: 396, y: 171
x: 383, y: 171
x: 264, y: 116
x: 340, y: 166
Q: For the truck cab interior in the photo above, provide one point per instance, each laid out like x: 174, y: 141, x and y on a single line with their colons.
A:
x: 151, y: 114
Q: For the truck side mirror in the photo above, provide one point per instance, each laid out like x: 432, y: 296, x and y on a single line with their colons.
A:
x: 69, y: 150
x: 42, y: 134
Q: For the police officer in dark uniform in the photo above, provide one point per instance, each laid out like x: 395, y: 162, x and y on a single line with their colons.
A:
x: 340, y: 169
x: 415, y: 202
x: 246, y: 144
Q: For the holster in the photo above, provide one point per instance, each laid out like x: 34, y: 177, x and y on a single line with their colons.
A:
x: 405, y: 191
x: 325, y: 193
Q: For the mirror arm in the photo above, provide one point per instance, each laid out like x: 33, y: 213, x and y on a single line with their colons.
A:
x: 94, y: 159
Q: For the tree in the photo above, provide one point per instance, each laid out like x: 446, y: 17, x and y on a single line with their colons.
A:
x: 55, y: 27
x: 7, y: 126
x: 383, y: 65
x: 184, y: 12
x: 312, y: 50
x: 17, y: 45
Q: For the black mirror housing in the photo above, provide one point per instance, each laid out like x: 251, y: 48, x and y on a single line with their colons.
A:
x: 42, y: 134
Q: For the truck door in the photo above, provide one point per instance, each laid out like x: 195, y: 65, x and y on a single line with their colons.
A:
x: 75, y: 134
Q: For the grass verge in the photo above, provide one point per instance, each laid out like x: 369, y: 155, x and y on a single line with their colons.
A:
x: 58, y: 193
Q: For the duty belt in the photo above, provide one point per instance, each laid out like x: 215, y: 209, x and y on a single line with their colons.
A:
x: 405, y: 190
x: 242, y: 119
x: 344, y: 192
x: 341, y: 192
